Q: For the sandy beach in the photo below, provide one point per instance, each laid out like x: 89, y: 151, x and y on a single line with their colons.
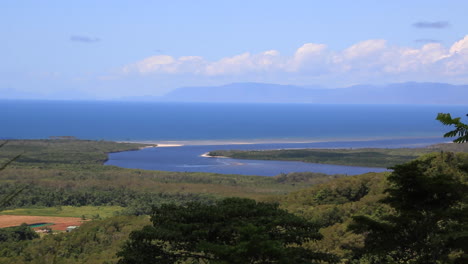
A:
x: 159, y: 145
x: 207, y: 155
x: 215, y: 142
x: 153, y: 144
x: 181, y: 143
x: 145, y: 147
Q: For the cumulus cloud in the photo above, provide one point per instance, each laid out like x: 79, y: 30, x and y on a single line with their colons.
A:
x: 84, y: 39
x: 164, y: 64
x: 234, y: 65
x: 360, y: 62
x: 457, y: 60
x: 435, y: 24
x: 460, y: 46
x: 310, y: 57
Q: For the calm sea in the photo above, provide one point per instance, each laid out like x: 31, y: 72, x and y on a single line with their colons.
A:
x: 197, y: 121
x: 269, y: 126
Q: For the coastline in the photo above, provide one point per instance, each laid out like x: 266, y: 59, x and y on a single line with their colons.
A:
x: 208, y: 142
x: 160, y: 145
x: 145, y: 147
x: 151, y: 144
x: 206, y: 155
x: 187, y: 153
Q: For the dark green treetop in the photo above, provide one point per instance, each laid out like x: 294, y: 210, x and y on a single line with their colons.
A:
x: 430, y: 220
x: 234, y: 230
x: 17, y: 233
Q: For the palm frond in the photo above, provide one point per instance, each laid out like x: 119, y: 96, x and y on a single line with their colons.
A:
x: 460, y: 131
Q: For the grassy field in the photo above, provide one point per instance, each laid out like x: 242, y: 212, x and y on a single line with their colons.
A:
x: 89, y: 212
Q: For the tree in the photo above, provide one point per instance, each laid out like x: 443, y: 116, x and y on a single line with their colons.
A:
x: 429, y: 223
x: 233, y: 230
x: 17, y: 233
x: 13, y: 193
x: 460, y: 131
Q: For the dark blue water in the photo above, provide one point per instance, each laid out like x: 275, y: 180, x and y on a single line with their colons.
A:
x: 188, y: 158
x: 402, y: 125
x: 198, y: 121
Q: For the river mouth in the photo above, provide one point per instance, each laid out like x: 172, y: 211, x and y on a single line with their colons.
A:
x: 193, y: 158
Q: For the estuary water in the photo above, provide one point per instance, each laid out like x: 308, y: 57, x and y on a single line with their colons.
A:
x: 189, y: 158
x: 333, y: 126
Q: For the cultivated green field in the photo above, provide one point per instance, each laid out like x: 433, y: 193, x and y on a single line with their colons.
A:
x: 88, y: 212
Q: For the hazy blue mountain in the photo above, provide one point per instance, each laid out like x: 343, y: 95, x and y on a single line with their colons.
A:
x: 398, y: 93
x: 14, y: 94
x: 241, y: 92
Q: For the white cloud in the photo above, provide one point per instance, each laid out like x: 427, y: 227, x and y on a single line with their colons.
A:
x: 361, y: 57
x: 460, y: 46
x: 245, y: 63
x: 456, y: 61
x: 238, y: 64
x: 360, y: 62
x: 364, y: 49
x: 160, y: 63
x: 231, y: 65
x: 310, y: 57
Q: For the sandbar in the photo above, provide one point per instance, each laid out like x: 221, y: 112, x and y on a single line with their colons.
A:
x: 159, y: 145
x: 207, y: 155
x: 214, y: 142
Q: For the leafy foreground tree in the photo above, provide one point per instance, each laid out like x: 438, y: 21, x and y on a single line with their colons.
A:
x: 460, y: 131
x: 233, y: 230
x: 430, y: 220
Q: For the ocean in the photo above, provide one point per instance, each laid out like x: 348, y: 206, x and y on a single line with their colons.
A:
x: 146, y: 121
x: 202, y: 127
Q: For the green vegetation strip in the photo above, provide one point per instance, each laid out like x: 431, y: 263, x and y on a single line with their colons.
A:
x: 368, y: 157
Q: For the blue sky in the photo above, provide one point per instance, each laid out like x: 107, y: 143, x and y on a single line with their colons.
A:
x: 112, y: 49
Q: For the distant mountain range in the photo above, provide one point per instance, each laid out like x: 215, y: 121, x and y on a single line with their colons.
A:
x: 398, y: 93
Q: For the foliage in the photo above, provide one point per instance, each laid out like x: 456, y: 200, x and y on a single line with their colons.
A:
x: 460, y: 131
x: 64, y: 173
x: 14, y: 190
x: 95, y: 242
x: 39, y: 196
x: 17, y: 233
x: 233, y: 230
x: 370, y: 157
x: 302, y: 178
x: 332, y: 204
x: 429, y: 225
x: 70, y: 173
x: 46, y: 152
